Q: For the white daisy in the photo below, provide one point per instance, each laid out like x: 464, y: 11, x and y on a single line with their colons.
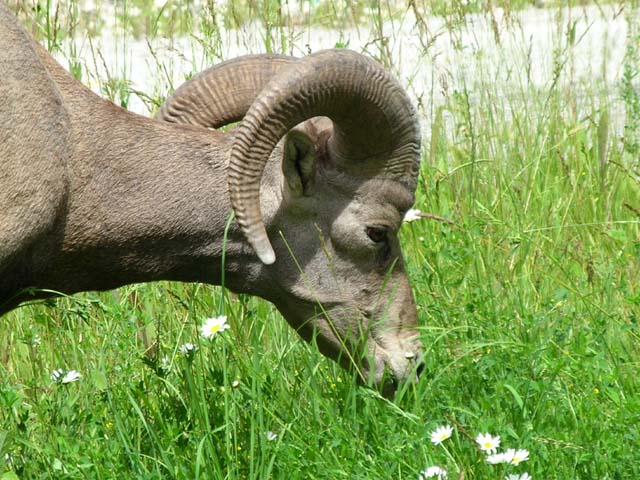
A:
x: 57, y: 375
x: 165, y: 364
x: 412, y: 215
x: 497, y: 458
x: 71, y: 376
x: 212, y: 326
x: 488, y: 443
x: 524, y: 476
x: 440, y: 434
x: 271, y: 436
x: 431, y: 472
x: 60, y: 376
x: 188, y: 348
x: 516, y: 457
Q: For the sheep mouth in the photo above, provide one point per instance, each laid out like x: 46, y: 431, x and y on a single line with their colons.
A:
x: 384, y: 371
x: 373, y: 364
x: 388, y: 371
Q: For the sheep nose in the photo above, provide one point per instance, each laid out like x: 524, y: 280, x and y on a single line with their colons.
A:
x: 418, y: 361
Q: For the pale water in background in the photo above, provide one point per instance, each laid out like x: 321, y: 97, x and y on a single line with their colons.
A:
x: 581, y: 49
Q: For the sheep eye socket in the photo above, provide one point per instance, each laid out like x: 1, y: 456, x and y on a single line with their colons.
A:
x: 377, y: 234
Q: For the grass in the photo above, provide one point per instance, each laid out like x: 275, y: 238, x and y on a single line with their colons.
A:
x: 529, y: 306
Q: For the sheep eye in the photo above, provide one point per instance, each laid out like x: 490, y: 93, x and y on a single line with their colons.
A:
x: 377, y: 234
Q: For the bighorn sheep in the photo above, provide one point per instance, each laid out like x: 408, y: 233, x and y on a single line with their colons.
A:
x: 319, y: 174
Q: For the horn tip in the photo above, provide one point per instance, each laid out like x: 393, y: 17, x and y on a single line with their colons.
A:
x: 263, y: 249
x: 267, y: 257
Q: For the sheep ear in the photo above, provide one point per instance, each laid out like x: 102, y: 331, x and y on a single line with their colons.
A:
x: 299, y: 163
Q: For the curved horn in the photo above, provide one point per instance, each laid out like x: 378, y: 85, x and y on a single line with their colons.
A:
x: 373, y: 120
x: 223, y: 93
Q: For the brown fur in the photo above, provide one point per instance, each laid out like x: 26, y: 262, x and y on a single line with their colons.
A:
x: 93, y: 197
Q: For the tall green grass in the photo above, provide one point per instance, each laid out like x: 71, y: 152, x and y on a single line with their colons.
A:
x: 529, y: 298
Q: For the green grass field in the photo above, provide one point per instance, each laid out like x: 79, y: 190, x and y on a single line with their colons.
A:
x: 529, y: 300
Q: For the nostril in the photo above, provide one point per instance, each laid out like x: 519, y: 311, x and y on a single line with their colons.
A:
x: 420, y: 367
x: 389, y: 386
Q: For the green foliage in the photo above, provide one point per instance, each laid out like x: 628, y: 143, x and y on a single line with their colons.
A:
x: 630, y: 86
x: 528, y: 299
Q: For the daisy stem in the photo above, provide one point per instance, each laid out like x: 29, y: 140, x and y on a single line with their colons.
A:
x: 453, y: 460
x: 463, y: 430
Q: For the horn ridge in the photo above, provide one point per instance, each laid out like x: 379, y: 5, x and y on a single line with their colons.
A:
x: 223, y: 93
x: 344, y: 86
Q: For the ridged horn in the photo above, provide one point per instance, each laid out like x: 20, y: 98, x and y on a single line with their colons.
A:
x: 375, y: 128
x: 223, y: 93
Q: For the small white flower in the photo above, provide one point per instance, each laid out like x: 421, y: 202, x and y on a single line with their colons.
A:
x: 36, y: 341
x: 71, y: 376
x: 496, y: 458
x: 213, y: 326
x: 431, y: 472
x: 524, y: 476
x: 188, y: 348
x: 440, y: 434
x: 488, y: 443
x: 271, y: 436
x: 57, y: 374
x: 235, y: 383
x: 412, y: 215
x: 516, y: 457
x: 60, y: 376
x: 165, y: 364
